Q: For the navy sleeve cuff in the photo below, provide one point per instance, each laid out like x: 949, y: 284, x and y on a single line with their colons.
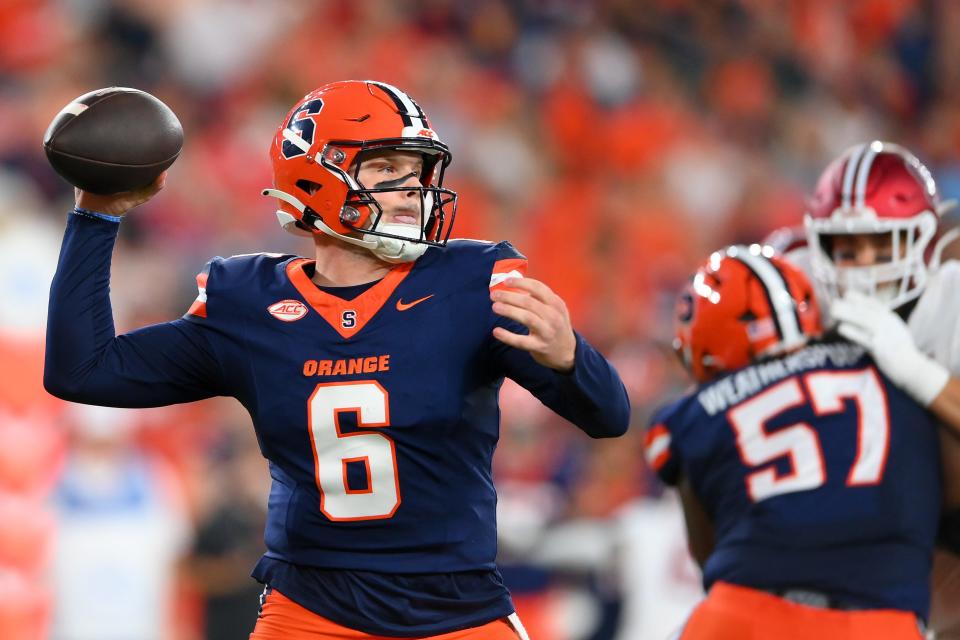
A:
x: 595, y: 379
x: 96, y: 215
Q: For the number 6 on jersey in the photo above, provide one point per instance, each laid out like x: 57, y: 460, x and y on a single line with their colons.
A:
x: 333, y: 450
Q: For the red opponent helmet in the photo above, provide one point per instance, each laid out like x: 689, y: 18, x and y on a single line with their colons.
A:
x: 315, y: 156
x: 874, y: 188
x: 743, y: 304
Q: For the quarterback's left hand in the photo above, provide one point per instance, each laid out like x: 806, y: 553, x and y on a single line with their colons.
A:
x: 533, y: 304
x: 870, y: 323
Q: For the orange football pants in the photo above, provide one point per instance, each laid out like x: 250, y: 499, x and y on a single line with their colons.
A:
x: 737, y: 613
x: 283, y: 619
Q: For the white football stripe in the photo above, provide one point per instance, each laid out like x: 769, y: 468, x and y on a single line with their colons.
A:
x: 291, y: 136
x: 780, y: 298
x: 74, y: 108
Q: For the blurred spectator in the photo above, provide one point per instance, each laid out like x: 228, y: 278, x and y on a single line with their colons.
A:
x: 229, y: 537
x: 121, y: 527
x: 28, y: 255
x: 661, y: 579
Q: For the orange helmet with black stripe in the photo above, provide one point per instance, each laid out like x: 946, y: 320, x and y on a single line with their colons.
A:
x: 742, y: 305
x: 316, y: 156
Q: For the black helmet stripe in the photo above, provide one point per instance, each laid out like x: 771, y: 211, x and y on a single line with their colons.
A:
x: 782, y: 305
x: 410, y: 111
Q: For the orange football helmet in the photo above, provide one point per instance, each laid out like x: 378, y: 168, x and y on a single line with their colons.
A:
x: 315, y: 156
x: 743, y: 304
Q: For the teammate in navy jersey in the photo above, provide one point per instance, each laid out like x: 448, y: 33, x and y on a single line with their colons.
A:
x: 809, y: 482
x: 371, y: 372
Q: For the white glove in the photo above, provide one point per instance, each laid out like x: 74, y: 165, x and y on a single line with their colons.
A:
x: 871, y: 324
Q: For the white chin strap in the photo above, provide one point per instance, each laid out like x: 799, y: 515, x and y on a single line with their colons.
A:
x: 396, y: 250
x: 391, y: 250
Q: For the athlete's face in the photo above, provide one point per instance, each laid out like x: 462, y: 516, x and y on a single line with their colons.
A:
x: 862, y: 249
x: 392, y: 168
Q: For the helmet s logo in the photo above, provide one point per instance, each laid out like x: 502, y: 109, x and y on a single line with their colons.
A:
x: 288, y: 310
x: 348, y: 319
x: 302, y: 125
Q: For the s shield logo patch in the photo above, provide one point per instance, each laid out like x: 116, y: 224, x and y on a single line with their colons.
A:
x: 288, y: 310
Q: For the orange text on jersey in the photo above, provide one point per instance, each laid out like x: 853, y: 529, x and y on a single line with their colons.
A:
x: 347, y: 367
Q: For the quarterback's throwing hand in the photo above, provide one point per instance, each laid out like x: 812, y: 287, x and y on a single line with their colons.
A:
x: 533, y: 304
x: 871, y: 324
x: 117, y: 204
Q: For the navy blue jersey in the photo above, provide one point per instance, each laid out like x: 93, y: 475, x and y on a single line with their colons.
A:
x: 378, y: 414
x: 817, y: 473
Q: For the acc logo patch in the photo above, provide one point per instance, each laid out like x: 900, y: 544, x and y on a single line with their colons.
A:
x: 288, y: 310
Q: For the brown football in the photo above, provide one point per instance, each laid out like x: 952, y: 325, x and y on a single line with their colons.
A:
x: 114, y: 139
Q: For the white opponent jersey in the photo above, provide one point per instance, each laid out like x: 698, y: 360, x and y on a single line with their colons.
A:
x: 935, y: 322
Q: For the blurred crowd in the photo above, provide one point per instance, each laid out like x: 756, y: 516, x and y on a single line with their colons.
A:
x: 614, y: 142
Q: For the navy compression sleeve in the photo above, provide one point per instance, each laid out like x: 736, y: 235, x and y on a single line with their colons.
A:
x: 85, y: 362
x: 592, y: 396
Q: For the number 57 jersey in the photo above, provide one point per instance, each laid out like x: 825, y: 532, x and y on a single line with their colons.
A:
x: 817, y: 474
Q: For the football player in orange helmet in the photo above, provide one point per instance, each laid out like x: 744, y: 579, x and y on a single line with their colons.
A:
x: 336, y: 171
x: 793, y: 457
x: 371, y: 372
x: 742, y: 305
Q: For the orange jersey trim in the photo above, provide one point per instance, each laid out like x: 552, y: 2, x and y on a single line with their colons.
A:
x: 504, y: 269
x: 366, y: 466
x: 199, y: 306
x: 656, y: 444
x: 335, y: 310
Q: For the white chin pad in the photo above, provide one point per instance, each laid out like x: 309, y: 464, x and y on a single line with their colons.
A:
x: 394, y: 249
x: 870, y: 281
